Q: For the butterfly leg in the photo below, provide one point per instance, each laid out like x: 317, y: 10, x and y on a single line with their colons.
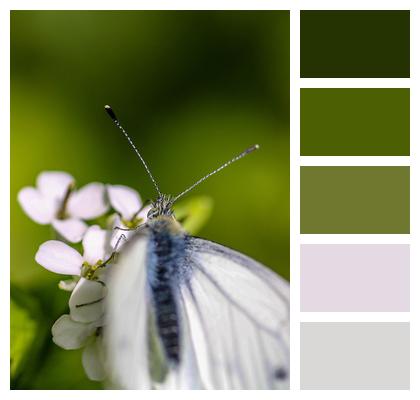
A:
x: 117, y: 228
x: 114, y: 253
x: 121, y: 237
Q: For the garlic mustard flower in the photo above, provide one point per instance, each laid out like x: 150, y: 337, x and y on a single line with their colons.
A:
x: 70, y: 335
x: 61, y: 258
x: 86, y: 301
x: 55, y: 201
x: 129, y: 208
x: 83, y: 326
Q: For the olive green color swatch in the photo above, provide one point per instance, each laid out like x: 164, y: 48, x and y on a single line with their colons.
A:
x: 355, y: 200
x: 355, y: 122
x: 355, y: 44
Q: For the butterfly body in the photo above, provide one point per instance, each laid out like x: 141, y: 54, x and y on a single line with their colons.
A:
x: 166, y: 257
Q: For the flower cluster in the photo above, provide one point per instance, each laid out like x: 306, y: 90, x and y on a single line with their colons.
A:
x: 72, y: 213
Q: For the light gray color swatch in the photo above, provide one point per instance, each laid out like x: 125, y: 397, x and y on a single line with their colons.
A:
x: 355, y: 277
x: 355, y: 355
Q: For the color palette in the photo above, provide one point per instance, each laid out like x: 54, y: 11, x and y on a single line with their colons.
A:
x: 355, y: 44
x: 355, y: 122
x: 355, y: 200
x: 354, y: 194
x: 355, y: 355
x: 355, y: 277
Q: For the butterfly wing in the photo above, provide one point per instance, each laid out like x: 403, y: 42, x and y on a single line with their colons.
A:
x: 233, y: 317
x: 237, y: 313
x: 126, y: 332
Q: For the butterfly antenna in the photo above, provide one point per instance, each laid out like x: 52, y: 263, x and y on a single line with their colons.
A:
x: 111, y: 113
x: 238, y: 157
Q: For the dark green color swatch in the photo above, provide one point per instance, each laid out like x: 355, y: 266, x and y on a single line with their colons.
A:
x: 355, y: 122
x: 355, y: 200
x: 355, y: 44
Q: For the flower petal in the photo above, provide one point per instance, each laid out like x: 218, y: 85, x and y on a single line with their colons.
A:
x: 96, y: 244
x: 67, y: 285
x: 69, y: 334
x: 54, y: 184
x: 59, y: 257
x: 70, y: 229
x: 124, y: 200
x: 86, y: 301
x: 93, y: 360
x: 142, y: 214
x: 88, y: 202
x: 36, y: 206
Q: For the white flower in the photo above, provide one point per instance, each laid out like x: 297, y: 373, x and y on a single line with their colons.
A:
x: 54, y: 201
x: 59, y: 257
x: 70, y: 335
x: 83, y: 326
x: 93, y: 359
x: 130, y: 211
x: 86, y: 301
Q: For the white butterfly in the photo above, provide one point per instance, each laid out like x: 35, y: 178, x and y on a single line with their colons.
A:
x: 187, y: 313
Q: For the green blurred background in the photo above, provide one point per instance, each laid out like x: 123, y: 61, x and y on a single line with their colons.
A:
x: 193, y: 88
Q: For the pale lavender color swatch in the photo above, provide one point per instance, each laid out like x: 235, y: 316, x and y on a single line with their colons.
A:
x: 355, y: 277
x: 355, y: 355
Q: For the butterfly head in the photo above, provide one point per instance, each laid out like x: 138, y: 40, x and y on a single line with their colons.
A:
x: 161, y: 207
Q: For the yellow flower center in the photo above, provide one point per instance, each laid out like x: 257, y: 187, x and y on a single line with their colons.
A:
x: 89, y: 271
x: 132, y: 223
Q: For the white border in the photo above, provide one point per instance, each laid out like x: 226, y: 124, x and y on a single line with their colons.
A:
x: 354, y: 161
x: 294, y: 6
x: 415, y: 199
x: 354, y: 317
x: 355, y: 82
x: 209, y: 5
x: 5, y: 200
x: 355, y: 239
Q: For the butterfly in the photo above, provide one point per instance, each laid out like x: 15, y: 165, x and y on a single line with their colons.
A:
x: 187, y: 313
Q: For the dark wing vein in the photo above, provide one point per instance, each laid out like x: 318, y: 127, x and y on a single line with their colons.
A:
x: 232, y: 301
x: 266, y: 275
